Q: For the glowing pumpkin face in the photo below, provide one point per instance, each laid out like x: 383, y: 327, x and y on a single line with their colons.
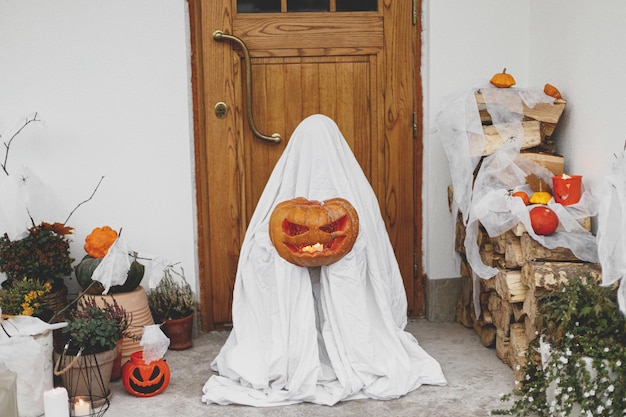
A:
x: 145, y: 380
x: 313, y: 233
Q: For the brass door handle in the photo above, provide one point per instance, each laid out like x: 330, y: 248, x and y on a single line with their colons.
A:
x: 218, y: 35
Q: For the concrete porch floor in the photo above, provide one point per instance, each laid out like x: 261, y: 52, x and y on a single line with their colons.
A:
x: 476, y: 378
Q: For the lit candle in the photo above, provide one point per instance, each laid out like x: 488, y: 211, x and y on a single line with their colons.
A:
x: 82, y: 408
x: 567, y: 189
x: 55, y: 403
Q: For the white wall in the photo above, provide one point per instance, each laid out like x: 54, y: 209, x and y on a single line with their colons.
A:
x: 110, y: 82
x: 465, y: 43
x: 577, y: 46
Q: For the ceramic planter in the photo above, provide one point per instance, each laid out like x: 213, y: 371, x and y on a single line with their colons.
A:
x: 179, y: 332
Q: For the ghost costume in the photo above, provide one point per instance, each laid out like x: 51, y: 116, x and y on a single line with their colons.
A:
x: 323, y: 334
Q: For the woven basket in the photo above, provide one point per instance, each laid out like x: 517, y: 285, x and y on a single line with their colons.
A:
x: 57, y: 301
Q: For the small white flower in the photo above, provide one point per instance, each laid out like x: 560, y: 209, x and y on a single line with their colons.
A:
x: 517, y: 367
x: 563, y: 360
x: 577, y: 324
x: 568, y: 352
x: 610, y: 388
x: 606, y: 349
x: 570, y: 389
x: 618, y: 363
x: 600, y: 409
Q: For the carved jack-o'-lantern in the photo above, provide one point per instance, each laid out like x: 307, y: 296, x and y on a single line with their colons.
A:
x: 313, y: 233
x: 145, y: 380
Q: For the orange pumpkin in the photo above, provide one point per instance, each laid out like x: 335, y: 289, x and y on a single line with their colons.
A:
x: 543, y: 220
x: 523, y: 196
x: 552, y: 91
x: 98, y: 242
x: 313, y: 233
x: 502, y: 80
x: 145, y: 379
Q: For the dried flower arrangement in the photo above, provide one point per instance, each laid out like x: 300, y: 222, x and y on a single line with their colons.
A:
x: 172, y: 298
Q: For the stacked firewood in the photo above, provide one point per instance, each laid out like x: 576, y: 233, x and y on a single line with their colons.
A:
x: 508, y: 301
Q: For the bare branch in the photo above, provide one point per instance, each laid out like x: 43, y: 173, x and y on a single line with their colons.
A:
x: 83, y: 202
x: 7, y: 145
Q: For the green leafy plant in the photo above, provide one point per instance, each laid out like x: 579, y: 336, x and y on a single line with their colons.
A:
x: 172, y: 298
x: 582, y: 368
x: 43, y: 254
x: 25, y: 297
x: 94, y: 328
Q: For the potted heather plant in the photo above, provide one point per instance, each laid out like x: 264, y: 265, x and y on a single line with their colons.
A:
x: 576, y: 366
x: 86, y: 362
x: 172, y: 303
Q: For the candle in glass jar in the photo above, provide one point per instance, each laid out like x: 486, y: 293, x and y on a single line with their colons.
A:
x: 567, y: 189
x: 82, y: 408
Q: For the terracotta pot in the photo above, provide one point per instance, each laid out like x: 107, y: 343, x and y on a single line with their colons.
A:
x: 136, y: 305
x: 116, y: 372
x: 86, y: 376
x: 180, y: 332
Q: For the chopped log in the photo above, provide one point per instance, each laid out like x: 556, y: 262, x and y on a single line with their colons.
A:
x: 508, y: 245
x: 509, y: 285
x: 530, y: 328
x: 531, y: 250
x: 550, y: 275
x: 554, y: 163
x: 487, y: 285
x: 518, y: 345
x: 486, y: 333
x: 502, y: 346
x: 502, y: 312
x: 532, y: 137
x: 517, y: 309
x: 465, y: 303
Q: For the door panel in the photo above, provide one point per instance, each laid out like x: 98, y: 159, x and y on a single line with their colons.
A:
x: 357, y: 68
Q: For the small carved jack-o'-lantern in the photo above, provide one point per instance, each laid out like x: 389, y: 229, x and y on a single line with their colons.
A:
x: 313, y: 233
x: 145, y: 380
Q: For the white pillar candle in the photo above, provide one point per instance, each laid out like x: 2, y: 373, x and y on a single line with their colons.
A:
x: 55, y: 403
x: 82, y: 408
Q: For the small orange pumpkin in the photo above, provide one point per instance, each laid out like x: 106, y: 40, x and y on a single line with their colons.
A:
x: 145, y: 379
x: 543, y: 220
x: 98, y: 242
x: 552, y: 91
x: 313, y: 233
x: 523, y: 196
x: 502, y: 80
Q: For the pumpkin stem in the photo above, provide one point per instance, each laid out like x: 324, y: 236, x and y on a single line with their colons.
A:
x: 504, y: 70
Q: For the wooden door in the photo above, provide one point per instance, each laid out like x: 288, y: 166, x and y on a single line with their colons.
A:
x: 360, y: 68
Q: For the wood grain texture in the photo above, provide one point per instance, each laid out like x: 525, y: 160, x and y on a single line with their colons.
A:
x: 348, y: 66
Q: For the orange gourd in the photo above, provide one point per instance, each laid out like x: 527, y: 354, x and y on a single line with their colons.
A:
x: 98, y: 242
x: 143, y: 379
x: 502, y: 80
x: 313, y: 233
x: 552, y: 91
x: 523, y: 196
x: 543, y: 220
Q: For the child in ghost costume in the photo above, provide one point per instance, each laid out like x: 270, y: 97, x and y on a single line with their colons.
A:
x: 322, y: 334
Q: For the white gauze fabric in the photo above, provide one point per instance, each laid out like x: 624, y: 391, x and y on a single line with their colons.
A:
x: 326, y: 334
x: 485, y: 197
x: 612, y: 229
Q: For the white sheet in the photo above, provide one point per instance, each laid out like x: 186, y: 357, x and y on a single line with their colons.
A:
x: 319, y: 335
